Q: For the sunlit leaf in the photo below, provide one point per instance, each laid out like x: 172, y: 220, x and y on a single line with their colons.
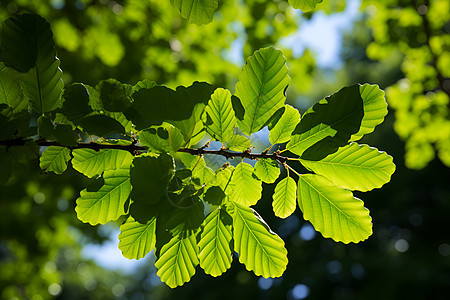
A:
x: 55, y: 159
x: 164, y: 138
x: 281, y: 132
x: 28, y: 47
x: 246, y: 189
x: 239, y: 143
x: 177, y: 261
x: 107, y: 203
x: 136, y: 239
x: 328, y: 125
x: 10, y: 91
x: 215, y: 243
x: 196, y: 11
x: 220, y: 119
x: 355, y: 167
x: 192, y: 129
x: 259, y: 248
x: 284, y: 198
x: 267, y: 170
x: 92, y: 163
x: 305, y: 5
x: 260, y: 88
x: 333, y: 211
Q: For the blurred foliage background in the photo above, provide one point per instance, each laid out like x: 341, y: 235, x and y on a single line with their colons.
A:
x: 401, y: 45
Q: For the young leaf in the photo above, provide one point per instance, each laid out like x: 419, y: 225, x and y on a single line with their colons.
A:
x: 215, y: 243
x: 284, y: 198
x: 55, y: 159
x: 164, y: 138
x: 267, y: 170
x: 177, y: 261
x: 28, y: 47
x: 259, y: 248
x: 246, y: 189
x: 305, y: 5
x: 375, y: 109
x: 333, y: 211
x: 281, y: 132
x: 196, y: 11
x: 220, y: 119
x: 355, y: 167
x: 198, y: 167
x: 328, y: 125
x: 239, y: 143
x: 91, y: 163
x: 10, y: 91
x: 107, y: 203
x: 260, y: 88
x: 136, y: 239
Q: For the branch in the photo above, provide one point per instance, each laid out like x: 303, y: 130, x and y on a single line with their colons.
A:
x: 230, y: 154
x: 136, y: 150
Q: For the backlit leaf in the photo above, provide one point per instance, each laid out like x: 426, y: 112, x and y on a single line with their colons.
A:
x: 28, y: 47
x: 177, y: 261
x: 239, y: 143
x: 55, y: 159
x: 107, y: 203
x: 305, y: 5
x: 259, y: 248
x: 281, y: 132
x: 355, y: 167
x: 113, y: 95
x: 220, y: 119
x: 284, y: 198
x: 10, y: 91
x: 164, y: 138
x: 91, y: 163
x: 267, y: 170
x: 328, y: 125
x: 246, y: 189
x: 196, y: 11
x: 260, y: 88
x: 136, y: 239
x: 333, y: 211
x: 215, y: 243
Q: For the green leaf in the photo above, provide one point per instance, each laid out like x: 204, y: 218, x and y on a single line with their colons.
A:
x: 113, y: 95
x: 193, y: 129
x: 100, y: 125
x: 76, y: 102
x: 215, y: 243
x: 147, y: 108
x: 281, y: 132
x: 284, y: 198
x: 10, y: 91
x: 198, y: 167
x: 196, y: 11
x: 214, y: 196
x: 333, y: 211
x: 149, y: 178
x: 143, y: 84
x: 107, y: 203
x: 239, y: 143
x: 136, y: 239
x: 328, y: 125
x: 65, y: 135
x: 55, y: 159
x: 259, y: 248
x: 164, y: 138
x: 246, y: 189
x: 46, y: 128
x: 305, y: 5
x: 28, y: 47
x: 261, y: 87
x: 355, y: 167
x: 92, y: 163
x: 177, y: 261
x: 375, y: 109
x: 267, y: 170
x: 220, y: 119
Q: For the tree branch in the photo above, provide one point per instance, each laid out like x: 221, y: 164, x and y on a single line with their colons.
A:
x: 136, y: 149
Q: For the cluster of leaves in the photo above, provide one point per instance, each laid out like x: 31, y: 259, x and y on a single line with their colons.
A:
x: 147, y: 168
x: 416, y: 29
x: 202, y: 11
